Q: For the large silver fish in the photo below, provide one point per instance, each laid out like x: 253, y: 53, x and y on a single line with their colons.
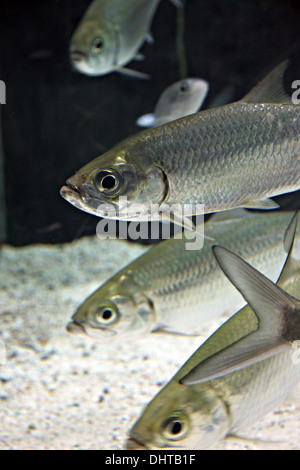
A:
x: 171, y: 289
x: 110, y: 34
x: 243, y: 371
x: 178, y: 100
x: 231, y: 156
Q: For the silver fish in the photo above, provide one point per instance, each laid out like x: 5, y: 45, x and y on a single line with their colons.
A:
x: 110, y: 34
x: 177, y: 100
x: 171, y: 289
x: 244, y: 370
x: 237, y: 155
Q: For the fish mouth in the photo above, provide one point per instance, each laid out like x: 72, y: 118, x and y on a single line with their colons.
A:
x: 76, y: 328
x: 77, y: 56
x: 72, y: 194
x: 134, y: 444
x: 68, y: 189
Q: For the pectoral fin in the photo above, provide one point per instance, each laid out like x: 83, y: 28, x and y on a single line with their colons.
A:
x: 265, y: 204
x: 133, y: 73
x: 147, y: 120
x: 139, y: 56
x: 165, y: 330
x: 238, y: 213
x: 253, y: 440
x: 177, y: 3
x: 149, y: 38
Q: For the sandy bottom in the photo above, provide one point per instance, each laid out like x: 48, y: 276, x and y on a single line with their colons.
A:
x: 59, y: 391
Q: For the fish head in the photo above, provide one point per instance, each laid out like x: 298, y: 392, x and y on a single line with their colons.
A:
x: 182, y: 98
x: 192, y: 93
x: 179, y: 417
x: 117, y: 307
x: 93, y: 48
x: 122, y: 184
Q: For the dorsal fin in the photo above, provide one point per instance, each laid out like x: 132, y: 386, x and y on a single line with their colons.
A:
x: 270, y: 89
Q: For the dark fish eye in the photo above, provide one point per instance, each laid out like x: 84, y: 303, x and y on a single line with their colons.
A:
x: 175, y: 427
x: 184, y: 87
x: 106, y: 315
x: 98, y: 44
x: 107, y: 181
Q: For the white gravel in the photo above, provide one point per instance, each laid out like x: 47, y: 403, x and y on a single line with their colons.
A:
x: 59, y: 391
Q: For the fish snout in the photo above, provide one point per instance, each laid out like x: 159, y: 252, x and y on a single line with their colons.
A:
x: 132, y: 444
x: 77, y: 56
x: 73, y: 183
x: 64, y: 191
x: 75, y: 328
x: 71, y: 186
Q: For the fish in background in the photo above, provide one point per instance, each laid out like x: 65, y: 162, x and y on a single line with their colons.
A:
x: 110, y: 35
x: 177, y: 100
x: 237, y: 155
x: 244, y: 370
x: 173, y: 290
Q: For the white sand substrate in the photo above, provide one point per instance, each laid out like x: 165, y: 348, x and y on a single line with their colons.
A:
x: 61, y: 391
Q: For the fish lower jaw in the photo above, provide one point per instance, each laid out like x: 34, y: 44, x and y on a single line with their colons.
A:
x: 133, y: 444
x: 75, y: 328
x: 82, y: 67
x: 72, y: 196
x: 69, y: 189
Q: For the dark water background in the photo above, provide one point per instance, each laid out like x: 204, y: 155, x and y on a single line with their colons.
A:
x: 56, y: 119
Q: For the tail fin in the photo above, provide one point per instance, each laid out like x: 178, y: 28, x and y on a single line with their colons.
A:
x: 278, y: 316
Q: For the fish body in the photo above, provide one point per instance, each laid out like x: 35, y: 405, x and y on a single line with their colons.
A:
x: 110, y: 34
x: 178, y: 100
x: 237, y: 155
x: 196, y: 412
x: 172, y: 289
x: 209, y: 412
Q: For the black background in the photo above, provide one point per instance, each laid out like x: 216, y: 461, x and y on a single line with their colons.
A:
x: 56, y: 119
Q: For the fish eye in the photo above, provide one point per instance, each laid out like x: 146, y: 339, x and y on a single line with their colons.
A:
x: 175, y: 427
x: 105, y: 315
x: 98, y: 44
x: 108, y: 182
x: 184, y: 87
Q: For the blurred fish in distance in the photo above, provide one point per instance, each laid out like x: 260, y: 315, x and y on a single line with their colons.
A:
x: 110, y: 35
x: 178, y: 100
